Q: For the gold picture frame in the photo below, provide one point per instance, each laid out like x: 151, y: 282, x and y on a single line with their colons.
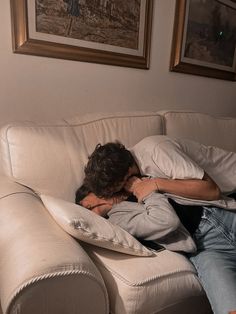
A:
x: 130, y: 49
x: 204, y: 38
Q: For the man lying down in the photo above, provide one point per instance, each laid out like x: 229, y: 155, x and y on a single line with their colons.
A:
x: 174, y: 192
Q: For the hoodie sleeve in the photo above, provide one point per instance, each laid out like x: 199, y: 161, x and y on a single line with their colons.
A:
x: 153, y: 219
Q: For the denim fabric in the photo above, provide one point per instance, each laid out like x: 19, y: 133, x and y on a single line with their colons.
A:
x: 215, y: 260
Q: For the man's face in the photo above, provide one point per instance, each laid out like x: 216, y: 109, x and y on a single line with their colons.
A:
x: 99, y: 206
x: 132, y: 171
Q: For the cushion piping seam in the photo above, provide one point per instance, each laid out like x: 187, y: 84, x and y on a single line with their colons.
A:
x: 114, y: 117
x: 181, y: 301
x: 8, y: 151
x: 82, y: 123
x: 148, y: 280
x: 172, y: 304
x: 14, y: 193
x: 143, y: 249
x: 192, y: 112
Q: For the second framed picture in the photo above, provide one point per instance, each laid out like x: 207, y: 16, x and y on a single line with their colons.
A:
x: 204, y: 40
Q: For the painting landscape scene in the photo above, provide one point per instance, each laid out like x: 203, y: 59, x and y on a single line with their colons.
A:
x: 211, y: 32
x: 111, y: 22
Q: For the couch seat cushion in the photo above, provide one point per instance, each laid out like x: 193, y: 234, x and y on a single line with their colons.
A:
x: 148, y: 285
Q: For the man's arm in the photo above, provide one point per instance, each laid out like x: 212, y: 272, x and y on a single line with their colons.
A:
x: 151, y: 220
x: 202, y: 189
x: 174, y: 171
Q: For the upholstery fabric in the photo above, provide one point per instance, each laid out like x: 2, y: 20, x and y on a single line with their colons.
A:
x: 92, y: 228
x: 40, y: 263
x: 67, y: 294
x: 47, y: 159
x: 203, y: 128
x: 50, y: 158
x: 148, y: 285
x: 35, y: 255
x: 127, y: 127
x: 8, y: 188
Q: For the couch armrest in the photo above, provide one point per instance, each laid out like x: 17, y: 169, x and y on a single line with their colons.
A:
x: 42, y: 268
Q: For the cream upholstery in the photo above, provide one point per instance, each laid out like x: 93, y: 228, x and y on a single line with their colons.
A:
x: 42, y: 268
x: 45, y: 158
x: 206, y: 129
x: 129, y: 128
x: 50, y: 158
x: 149, y: 285
x: 40, y: 263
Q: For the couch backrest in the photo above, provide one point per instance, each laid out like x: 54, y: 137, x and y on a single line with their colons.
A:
x: 43, y: 157
x: 50, y: 158
x: 200, y: 127
x: 126, y: 127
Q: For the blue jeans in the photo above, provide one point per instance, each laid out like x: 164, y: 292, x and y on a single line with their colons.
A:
x: 215, y: 260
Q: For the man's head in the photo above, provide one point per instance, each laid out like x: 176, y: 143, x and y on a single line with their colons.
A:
x: 98, y: 205
x: 108, y: 169
x: 92, y: 202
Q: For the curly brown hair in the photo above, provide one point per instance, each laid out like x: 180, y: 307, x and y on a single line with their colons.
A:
x: 107, y: 167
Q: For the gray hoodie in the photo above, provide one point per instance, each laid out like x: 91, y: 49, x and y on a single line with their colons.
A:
x: 154, y: 220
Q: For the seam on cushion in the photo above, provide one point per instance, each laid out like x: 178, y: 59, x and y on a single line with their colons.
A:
x: 118, y: 244
x: 52, y: 275
x: 14, y: 193
x: 201, y: 295
x: 142, y: 249
x: 148, y: 280
x: 181, y: 301
x: 163, y: 124
x: 8, y: 150
x: 76, y: 136
x: 83, y: 137
x: 34, y: 126
x: 16, y: 125
x: 201, y: 113
x: 116, y: 117
x: 68, y: 151
x: 67, y: 123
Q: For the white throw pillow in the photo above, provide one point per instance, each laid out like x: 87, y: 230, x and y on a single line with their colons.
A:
x: 92, y: 228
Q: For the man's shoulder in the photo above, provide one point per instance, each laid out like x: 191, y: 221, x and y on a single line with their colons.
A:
x: 124, y: 208
x: 161, y: 140
x: 150, y: 142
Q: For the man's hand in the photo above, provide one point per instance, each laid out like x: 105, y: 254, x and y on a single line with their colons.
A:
x: 120, y: 196
x: 141, y: 187
x: 201, y: 189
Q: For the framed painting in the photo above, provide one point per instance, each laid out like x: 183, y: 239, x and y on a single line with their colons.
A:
x: 116, y: 32
x: 204, y: 38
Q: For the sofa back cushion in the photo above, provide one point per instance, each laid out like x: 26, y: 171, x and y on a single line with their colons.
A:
x: 50, y: 158
x: 127, y: 127
x: 200, y: 127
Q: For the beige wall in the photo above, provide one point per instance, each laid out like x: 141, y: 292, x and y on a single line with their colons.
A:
x: 36, y: 88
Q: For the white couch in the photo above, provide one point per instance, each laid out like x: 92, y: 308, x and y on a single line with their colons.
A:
x: 43, y: 270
